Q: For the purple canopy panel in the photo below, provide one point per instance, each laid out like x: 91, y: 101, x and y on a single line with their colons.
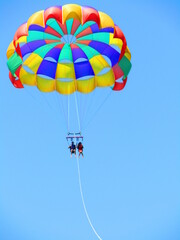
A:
x: 31, y: 46
x: 78, y: 53
x: 47, y: 68
x: 83, y: 69
x: 106, y: 50
x: 34, y: 27
x: 54, y: 53
x: 109, y: 30
x: 95, y: 28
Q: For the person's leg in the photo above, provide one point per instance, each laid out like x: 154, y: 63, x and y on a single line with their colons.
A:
x: 82, y: 153
x: 72, y: 152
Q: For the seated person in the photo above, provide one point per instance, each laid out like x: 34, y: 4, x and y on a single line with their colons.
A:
x: 80, y: 149
x: 72, y: 148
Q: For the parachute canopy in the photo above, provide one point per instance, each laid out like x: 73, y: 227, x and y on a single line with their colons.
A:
x: 69, y: 48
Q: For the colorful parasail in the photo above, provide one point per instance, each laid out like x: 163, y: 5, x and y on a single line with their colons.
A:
x: 69, y: 48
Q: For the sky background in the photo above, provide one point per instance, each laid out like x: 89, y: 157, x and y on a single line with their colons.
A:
x: 131, y: 170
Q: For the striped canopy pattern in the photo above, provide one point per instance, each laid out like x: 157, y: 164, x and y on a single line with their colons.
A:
x: 67, y: 49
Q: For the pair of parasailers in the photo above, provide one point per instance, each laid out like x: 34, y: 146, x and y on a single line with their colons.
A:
x: 73, y: 147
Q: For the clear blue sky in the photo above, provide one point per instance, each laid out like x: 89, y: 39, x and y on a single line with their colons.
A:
x: 131, y: 184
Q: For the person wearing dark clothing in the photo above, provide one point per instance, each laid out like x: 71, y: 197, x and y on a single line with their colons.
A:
x: 72, y: 148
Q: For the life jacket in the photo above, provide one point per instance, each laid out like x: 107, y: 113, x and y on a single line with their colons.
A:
x: 80, y: 147
x: 73, y: 146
